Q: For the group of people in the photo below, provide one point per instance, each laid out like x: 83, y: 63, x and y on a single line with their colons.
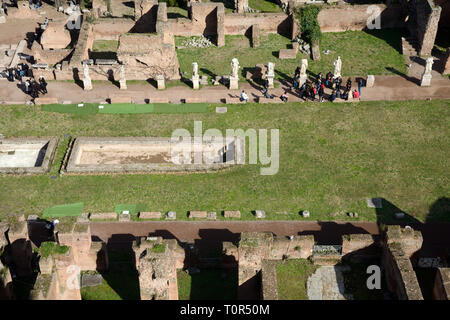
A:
x: 311, y: 89
x: 29, y: 86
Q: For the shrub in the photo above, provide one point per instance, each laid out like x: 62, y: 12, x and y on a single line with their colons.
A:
x: 51, y: 248
x: 308, y: 22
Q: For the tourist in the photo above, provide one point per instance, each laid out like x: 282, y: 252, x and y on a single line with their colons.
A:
x: 360, y: 84
x: 338, y: 94
x: 333, y: 96
x: 244, y: 97
x: 328, y: 80
x: 321, y: 93
x: 303, y: 91
x: 35, y: 89
x: 50, y: 226
x: 313, y: 93
x: 284, y: 97
x: 345, y: 95
x: 10, y: 75
x: 355, y: 94
x: 27, y: 86
x: 43, y: 84
x: 348, y: 86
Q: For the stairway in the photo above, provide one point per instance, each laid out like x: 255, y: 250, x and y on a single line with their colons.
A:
x: 410, y: 46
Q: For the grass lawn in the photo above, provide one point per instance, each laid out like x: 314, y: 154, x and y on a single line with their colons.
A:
x: 264, y: 6
x: 105, y: 45
x: 359, y: 51
x: 209, y: 284
x: 176, y: 12
x: 332, y: 157
x: 120, y: 282
x: 292, y: 277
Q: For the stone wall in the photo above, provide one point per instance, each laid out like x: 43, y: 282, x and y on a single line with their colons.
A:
x: 396, y: 259
x: 269, y: 284
x: 346, y: 17
x: 426, y: 21
x: 446, y: 62
x: 84, y: 44
x: 51, y: 57
x: 158, y: 268
x: 441, y: 289
x: 240, y: 24
x: 354, y: 242
x: 111, y: 29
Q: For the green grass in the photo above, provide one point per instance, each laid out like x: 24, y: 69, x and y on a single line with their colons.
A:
x: 359, y: 51
x: 72, y: 209
x: 126, y: 108
x: 355, y: 281
x: 209, y: 284
x: 292, y: 277
x: 51, y: 248
x: 120, y: 282
x: 176, y: 12
x: 332, y: 156
x: 264, y: 6
x: 105, y: 46
x: 158, y: 248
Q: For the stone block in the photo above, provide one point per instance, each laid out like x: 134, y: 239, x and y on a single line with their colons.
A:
x: 150, y: 215
x: 255, y: 36
x: 426, y: 80
x: 260, y: 214
x: 221, y: 109
x: 171, y: 215
x: 374, y: 203
x: 234, y: 83
x: 195, y: 82
x: 103, y: 216
x: 305, y: 214
x: 287, y: 54
x: 399, y: 215
x: 370, y: 81
x: 124, y: 217
x: 160, y: 82
x: 212, y: 216
x: 233, y: 100
x: 197, y: 214
x: 232, y: 214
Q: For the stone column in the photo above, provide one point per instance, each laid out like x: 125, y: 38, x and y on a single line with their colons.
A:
x: 234, y: 77
x: 87, y: 83
x: 123, y: 80
x: 446, y: 63
x: 195, y: 76
x: 160, y: 81
x: 240, y: 5
x: 2, y: 16
x: 270, y: 74
x: 426, y: 77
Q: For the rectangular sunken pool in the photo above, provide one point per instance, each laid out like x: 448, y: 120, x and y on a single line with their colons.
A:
x: 145, y: 154
x: 27, y: 155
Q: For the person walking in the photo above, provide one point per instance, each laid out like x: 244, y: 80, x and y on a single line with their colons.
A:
x: 284, y: 97
x: 43, y: 85
x: 360, y: 84
x: 321, y: 93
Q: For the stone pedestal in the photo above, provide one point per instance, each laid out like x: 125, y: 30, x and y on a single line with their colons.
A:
x: 195, y: 82
x: 160, y: 81
x: 87, y: 84
x: 270, y: 81
x: 234, y: 83
x: 303, y: 79
x: 370, y: 81
x: 426, y: 80
x: 123, y: 84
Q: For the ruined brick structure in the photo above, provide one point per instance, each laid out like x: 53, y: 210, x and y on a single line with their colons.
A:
x: 157, y: 262
x: 399, y: 246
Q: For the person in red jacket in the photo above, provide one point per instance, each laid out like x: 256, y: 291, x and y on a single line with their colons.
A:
x: 355, y: 94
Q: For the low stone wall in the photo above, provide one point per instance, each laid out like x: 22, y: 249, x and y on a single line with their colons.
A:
x: 111, y: 28
x: 400, y: 275
x: 269, y: 284
x: 84, y: 44
x: 157, y: 262
x: 346, y: 17
x: 240, y: 24
x: 51, y: 144
x: 354, y: 242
